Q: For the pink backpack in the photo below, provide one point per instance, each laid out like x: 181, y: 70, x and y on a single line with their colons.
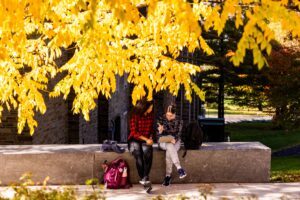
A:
x: 116, y: 174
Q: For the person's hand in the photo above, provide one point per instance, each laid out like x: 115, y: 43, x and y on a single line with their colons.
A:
x: 173, y: 141
x: 149, y: 142
x: 160, y: 128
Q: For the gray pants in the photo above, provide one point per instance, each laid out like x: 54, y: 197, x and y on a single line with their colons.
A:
x: 171, y: 156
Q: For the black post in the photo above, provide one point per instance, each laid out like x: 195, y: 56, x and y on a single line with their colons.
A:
x: 221, y: 80
x: 221, y: 93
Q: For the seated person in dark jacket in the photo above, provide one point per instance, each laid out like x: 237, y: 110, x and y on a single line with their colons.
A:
x: 169, y: 129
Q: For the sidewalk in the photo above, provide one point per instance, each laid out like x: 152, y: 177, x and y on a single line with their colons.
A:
x: 234, y: 118
x: 246, y: 191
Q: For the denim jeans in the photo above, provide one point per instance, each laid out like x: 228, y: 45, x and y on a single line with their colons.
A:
x: 143, y: 155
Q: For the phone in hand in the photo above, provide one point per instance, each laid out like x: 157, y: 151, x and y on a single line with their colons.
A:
x: 160, y: 128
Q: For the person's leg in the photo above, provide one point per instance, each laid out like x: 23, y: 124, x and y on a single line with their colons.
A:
x: 180, y: 170
x: 177, y: 145
x: 137, y: 152
x: 169, y: 165
x: 172, y: 153
x: 147, y: 158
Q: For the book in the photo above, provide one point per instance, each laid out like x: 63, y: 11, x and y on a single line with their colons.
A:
x: 166, y: 139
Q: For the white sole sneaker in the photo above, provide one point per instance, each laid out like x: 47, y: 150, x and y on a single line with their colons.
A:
x: 144, y: 182
x: 181, y: 177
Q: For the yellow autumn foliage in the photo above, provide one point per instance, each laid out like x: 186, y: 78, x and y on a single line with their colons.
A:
x: 112, y: 38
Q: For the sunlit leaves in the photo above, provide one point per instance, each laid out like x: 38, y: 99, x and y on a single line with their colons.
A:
x: 258, y: 34
x: 111, y: 37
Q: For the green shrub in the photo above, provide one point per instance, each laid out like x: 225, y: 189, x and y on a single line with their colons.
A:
x: 23, y: 191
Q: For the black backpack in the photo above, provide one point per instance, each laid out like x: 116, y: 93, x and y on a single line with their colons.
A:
x: 192, y: 136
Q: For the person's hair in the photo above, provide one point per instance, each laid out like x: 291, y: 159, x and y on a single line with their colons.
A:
x: 171, y: 108
x: 141, y: 106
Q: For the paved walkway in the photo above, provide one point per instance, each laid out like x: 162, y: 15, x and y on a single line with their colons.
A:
x: 291, y: 151
x: 246, y: 191
x: 234, y: 118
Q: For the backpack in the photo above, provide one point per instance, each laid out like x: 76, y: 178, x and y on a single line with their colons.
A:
x: 116, y: 174
x: 112, y: 145
x: 192, y: 136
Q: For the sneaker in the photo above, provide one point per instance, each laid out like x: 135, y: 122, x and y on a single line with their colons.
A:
x: 167, y: 181
x: 181, y: 173
x: 145, y: 181
x: 148, y: 188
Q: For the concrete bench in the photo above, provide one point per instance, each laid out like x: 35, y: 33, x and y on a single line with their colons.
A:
x: 233, y: 162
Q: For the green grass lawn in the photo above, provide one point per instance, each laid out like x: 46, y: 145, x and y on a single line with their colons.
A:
x: 263, y: 132
x: 283, y: 169
x: 288, y: 163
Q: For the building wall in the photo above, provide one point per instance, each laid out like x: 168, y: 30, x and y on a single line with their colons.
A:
x: 9, y: 132
x: 88, y: 130
x: 73, y: 121
x: 59, y: 126
x: 52, y: 126
x: 119, y: 107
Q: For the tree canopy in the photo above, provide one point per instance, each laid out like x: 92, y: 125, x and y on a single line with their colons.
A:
x: 112, y: 37
x: 284, y: 82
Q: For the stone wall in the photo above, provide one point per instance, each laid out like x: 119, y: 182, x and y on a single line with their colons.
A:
x: 228, y: 162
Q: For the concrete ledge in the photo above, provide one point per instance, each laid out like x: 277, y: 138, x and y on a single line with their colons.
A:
x: 234, y: 162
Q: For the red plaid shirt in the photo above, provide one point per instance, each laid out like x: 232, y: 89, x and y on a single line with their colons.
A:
x: 141, y: 126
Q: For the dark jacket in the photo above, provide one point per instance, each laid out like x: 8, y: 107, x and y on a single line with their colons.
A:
x: 172, y: 127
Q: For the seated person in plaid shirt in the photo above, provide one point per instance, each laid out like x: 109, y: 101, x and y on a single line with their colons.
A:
x: 140, y: 138
x: 169, y: 129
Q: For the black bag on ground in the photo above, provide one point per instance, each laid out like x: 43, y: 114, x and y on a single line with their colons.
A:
x: 192, y: 136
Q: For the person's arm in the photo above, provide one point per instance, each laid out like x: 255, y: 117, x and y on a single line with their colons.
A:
x: 174, y: 129
x: 143, y: 138
x: 160, y: 128
x: 148, y: 141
